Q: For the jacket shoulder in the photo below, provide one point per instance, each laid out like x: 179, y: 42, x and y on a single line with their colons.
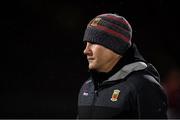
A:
x: 149, y: 94
x: 140, y: 80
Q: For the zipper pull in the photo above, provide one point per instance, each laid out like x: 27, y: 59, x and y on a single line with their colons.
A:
x: 96, y: 92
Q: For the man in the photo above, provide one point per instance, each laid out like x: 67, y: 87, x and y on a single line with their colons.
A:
x: 121, y: 84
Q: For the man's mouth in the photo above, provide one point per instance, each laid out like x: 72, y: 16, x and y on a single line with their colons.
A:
x: 90, y: 59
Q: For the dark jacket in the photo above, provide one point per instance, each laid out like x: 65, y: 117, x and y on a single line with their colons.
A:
x: 130, y: 90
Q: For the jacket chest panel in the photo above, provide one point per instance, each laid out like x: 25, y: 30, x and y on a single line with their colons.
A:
x: 86, y: 95
x: 114, y: 96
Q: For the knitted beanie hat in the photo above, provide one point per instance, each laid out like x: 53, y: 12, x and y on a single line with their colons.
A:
x: 110, y: 30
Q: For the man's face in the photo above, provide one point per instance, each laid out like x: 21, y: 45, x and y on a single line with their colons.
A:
x: 100, y: 58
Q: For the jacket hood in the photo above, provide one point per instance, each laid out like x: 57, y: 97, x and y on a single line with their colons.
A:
x: 134, y: 67
x: 153, y: 71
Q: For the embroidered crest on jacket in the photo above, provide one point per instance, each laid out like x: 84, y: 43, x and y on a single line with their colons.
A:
x: 115, y: 95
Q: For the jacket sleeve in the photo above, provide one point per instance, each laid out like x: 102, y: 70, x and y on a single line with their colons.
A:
x: 151, y: 99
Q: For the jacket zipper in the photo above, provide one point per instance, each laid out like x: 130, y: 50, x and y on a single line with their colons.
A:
x: 94, y: 100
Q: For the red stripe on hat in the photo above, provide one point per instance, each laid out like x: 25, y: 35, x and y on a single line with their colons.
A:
x: 112, y: 32
x: 117, y: 19
x: 117, y: 26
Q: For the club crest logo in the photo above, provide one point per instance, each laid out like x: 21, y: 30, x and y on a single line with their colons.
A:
x: 115, y: 95
x: 95, y: 22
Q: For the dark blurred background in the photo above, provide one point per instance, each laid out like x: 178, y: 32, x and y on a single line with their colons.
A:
x: 42, y: 62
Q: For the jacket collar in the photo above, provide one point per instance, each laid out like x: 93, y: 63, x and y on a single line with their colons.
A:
x: 126, y: 70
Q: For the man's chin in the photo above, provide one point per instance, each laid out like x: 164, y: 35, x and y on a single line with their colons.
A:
x: 91, y: 67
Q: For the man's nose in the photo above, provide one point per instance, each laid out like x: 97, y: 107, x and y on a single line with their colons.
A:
x: 87, y: 50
